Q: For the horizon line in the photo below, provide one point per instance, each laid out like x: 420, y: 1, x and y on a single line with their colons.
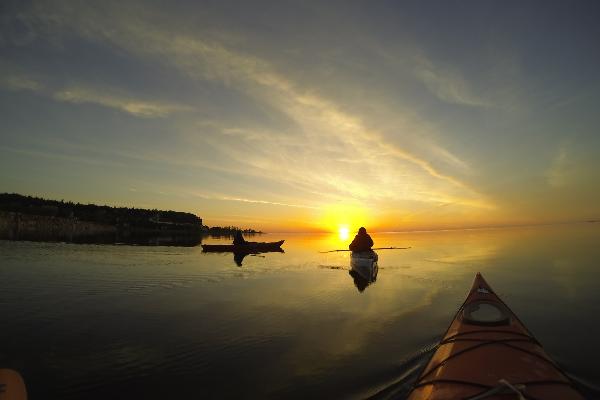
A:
x: 414, y: 230
x: 467, y: 228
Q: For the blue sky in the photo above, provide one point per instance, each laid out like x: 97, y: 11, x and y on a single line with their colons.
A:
x: 290, y: 115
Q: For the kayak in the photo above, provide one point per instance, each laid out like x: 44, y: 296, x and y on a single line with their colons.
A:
x: 365, y: 264
x: 487, y: 353
x: 247, y: 247
x: 12, y: 386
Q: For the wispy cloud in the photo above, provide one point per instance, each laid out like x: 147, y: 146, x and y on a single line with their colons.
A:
x: 297, y: 112
x: 220, y: 197
x: 447, y: 85
x: 274, y: 203
x: 137, y: 107
x: 103, y: 96
x: 20, y: 82
x: 325, y: 130
x: 322, y: 121
x: 450, y: 158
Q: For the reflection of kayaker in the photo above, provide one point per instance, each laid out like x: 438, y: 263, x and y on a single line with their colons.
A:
x: 360, y: 282
x: 487, y: 353
x: 362, y: 241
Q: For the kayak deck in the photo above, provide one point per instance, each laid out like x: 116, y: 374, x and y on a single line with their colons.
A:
x: 485, y: 350
x: 247, y: 247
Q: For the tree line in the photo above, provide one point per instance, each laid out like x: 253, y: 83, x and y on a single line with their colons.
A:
x: 119, y: 216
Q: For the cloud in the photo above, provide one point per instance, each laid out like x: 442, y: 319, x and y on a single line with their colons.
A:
x: 274, y: 203
x: 105, y: 96
x: 221, y: 197
x: 321, y: 120
x: 137, y: 107
x: 325, y: 130
x: 20, y: 82
x: 448, y: 86
x: 450, y: 158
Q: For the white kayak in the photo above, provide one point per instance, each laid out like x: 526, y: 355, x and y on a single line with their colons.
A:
x: 365, y: 264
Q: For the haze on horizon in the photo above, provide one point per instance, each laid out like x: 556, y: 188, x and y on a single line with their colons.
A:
x: 295, y: 115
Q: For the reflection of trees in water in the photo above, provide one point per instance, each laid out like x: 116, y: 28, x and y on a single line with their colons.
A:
x: 143, y: 240
x: 138, y: 239
x: 182, y: 239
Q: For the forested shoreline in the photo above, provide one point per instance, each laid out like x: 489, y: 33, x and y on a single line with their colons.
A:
x: 34, y: 218
x: 116, y: 216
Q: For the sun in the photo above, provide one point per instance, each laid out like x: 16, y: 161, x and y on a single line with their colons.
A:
x: 342, y: 218
x: 344, y: 232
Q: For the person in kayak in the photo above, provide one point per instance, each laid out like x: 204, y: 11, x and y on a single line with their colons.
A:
x: 362, y: 241
x: 238, y: 238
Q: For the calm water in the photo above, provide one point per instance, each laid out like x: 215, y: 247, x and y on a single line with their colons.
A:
x: 102, y: 321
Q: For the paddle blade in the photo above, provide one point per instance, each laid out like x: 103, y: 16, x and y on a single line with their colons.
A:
x: 12, y: 386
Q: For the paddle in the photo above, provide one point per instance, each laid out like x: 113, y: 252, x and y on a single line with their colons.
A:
x: 376, y: 248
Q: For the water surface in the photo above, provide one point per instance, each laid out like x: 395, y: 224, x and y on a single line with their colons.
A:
x: 101, y: 321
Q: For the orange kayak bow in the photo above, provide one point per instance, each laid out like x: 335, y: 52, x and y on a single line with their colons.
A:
x: 487, y: 353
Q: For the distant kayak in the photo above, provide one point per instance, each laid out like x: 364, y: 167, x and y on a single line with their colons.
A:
x: 487, y: 353
x: 247, y: 247
x: 365, y: 264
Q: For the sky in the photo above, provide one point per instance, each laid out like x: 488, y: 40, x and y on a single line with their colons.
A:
x: 307, y: 115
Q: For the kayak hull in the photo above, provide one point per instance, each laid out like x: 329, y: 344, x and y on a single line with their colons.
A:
x: 248, y: 247
x: 485, y: 346
x: 364, y: 263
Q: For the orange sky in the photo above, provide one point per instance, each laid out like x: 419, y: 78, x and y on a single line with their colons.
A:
x: 288, y: 120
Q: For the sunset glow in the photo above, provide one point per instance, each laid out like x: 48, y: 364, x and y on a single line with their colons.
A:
x: 297, y: 198
x: 289, y: 121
